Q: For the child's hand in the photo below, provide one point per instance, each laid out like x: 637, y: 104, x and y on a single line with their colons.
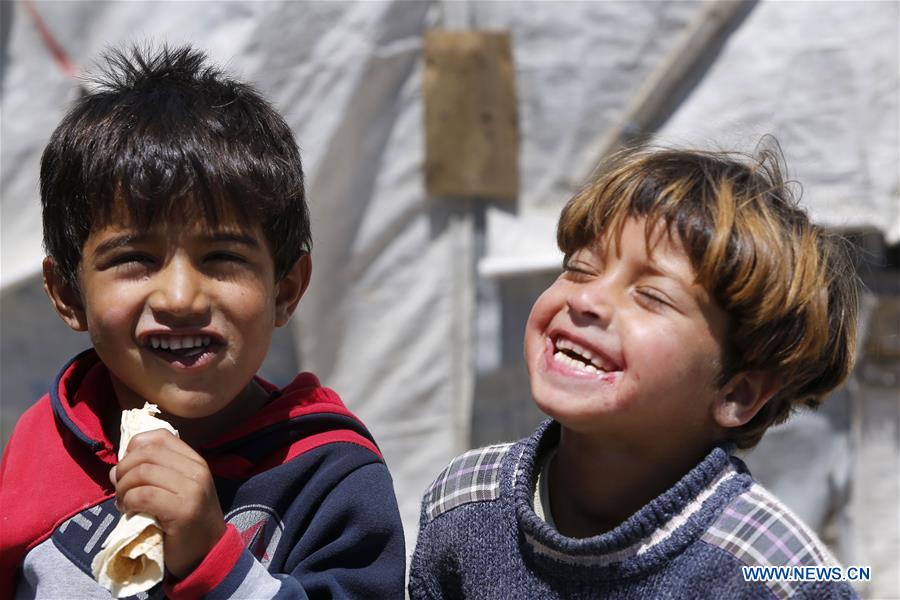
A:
x: 162, y: 476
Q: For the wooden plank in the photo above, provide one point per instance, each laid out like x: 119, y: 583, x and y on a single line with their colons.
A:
x: 471, y: 118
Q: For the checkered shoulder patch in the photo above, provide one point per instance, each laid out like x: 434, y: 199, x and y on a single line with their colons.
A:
x: 757, y: 529
x: 470, y: 477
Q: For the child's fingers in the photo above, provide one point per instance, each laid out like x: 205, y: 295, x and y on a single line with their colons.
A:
x: 161, y: 467
x: 150, y: 474
x: 162, y: 437
x: 146, y: 446
x: 159, y: 502
x: 186, y: 510
x: 165, y: 493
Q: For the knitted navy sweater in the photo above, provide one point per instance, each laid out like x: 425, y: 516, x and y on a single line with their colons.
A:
x: 480, y: 537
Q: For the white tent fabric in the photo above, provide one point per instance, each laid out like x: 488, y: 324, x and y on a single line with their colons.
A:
x: 823, y: 77
x: 389, y: 320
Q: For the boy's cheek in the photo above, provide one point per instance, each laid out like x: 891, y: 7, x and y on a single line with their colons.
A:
x: 112, y: 330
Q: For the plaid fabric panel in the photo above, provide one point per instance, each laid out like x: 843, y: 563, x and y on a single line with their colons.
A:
x: 757, y: 529
x: 470, y: 477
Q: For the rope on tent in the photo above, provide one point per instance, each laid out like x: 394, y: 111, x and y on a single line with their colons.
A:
x: 59, y: 54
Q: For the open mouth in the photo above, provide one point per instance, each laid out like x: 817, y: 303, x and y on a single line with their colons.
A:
x: 184, y: 349
x: 575, y: 356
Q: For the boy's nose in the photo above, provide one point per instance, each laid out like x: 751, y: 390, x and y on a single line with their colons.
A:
x: 592, y: 302
x: 179, y: 291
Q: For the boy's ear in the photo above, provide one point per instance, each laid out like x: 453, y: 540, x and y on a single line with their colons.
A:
x: 743, y: 396
x: 66, y: 299
x: 289, y: 289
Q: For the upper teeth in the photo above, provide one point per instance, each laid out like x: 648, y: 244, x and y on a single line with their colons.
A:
x: 593, y: 363
x: 171, y: 342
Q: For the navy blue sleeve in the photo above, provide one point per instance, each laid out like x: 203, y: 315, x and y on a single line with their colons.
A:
x: 353, y: 544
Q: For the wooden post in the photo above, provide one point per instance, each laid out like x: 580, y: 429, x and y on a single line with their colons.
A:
x: 471, y: 155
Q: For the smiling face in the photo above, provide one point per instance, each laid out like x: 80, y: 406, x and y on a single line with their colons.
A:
x: 625, y: 344
x: 181, y: 314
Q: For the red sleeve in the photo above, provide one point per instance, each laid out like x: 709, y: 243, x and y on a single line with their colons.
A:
x: 35, y: 462
x: 211, y: 571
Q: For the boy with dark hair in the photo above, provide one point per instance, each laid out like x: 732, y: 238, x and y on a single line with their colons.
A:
x: 697, y: 306
x: 178, y: 237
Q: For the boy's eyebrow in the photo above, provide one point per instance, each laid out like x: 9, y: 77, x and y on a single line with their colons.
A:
x: 126, y: 239
x: 118, y: 241
x: 234, y: 237
x: 654, y: 268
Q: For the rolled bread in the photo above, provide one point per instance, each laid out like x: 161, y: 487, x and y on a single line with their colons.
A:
x: 131, y: 559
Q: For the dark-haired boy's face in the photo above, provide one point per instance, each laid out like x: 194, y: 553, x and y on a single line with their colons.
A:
x: 182, y: 314
x: 626, y: 344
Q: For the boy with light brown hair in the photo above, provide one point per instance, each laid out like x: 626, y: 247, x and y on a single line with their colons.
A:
x: 698, y: 306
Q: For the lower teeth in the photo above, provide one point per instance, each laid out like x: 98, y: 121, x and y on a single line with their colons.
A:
x: 187, y: 351
x: 565, y: 359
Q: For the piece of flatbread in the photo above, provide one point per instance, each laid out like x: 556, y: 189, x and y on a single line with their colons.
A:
x: 131, y: 558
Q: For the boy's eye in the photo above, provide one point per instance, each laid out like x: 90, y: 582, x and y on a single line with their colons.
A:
x: 224, y: 257
x: 577, y: 269
x: 652, y: 298
x: 131, y: 260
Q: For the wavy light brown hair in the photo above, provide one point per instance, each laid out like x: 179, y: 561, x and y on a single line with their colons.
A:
x: 789, y: 286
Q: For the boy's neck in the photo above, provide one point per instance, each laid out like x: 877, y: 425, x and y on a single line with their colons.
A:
x: 596, y: 485
x: 195, y: 432
x: 200, y: 432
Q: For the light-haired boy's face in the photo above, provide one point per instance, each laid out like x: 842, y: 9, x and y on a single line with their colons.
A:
x: 626, y: 344
x: 182, y: 314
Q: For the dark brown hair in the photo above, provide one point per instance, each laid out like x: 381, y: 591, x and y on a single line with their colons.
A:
x: 173, y: 138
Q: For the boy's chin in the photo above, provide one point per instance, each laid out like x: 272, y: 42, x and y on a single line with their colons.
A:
x: 564, y: 416
x: 575, y: 417
x: 201, y: 404
x: 186, y: 404
x: 189, y: 413
x: 557, y: 404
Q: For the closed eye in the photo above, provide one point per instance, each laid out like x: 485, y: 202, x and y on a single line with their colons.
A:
x: 653, y: 299
x: 131, y: 262
x: 225, y: 257
x: 228, y: 264
x: 575, y: 269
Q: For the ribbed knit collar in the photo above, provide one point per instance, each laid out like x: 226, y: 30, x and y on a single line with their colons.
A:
x: 651, y: 536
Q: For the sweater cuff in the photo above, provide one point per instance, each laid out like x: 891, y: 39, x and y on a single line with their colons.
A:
x: 217, y: 563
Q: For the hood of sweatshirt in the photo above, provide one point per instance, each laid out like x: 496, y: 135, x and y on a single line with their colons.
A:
x: 298, y: 417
